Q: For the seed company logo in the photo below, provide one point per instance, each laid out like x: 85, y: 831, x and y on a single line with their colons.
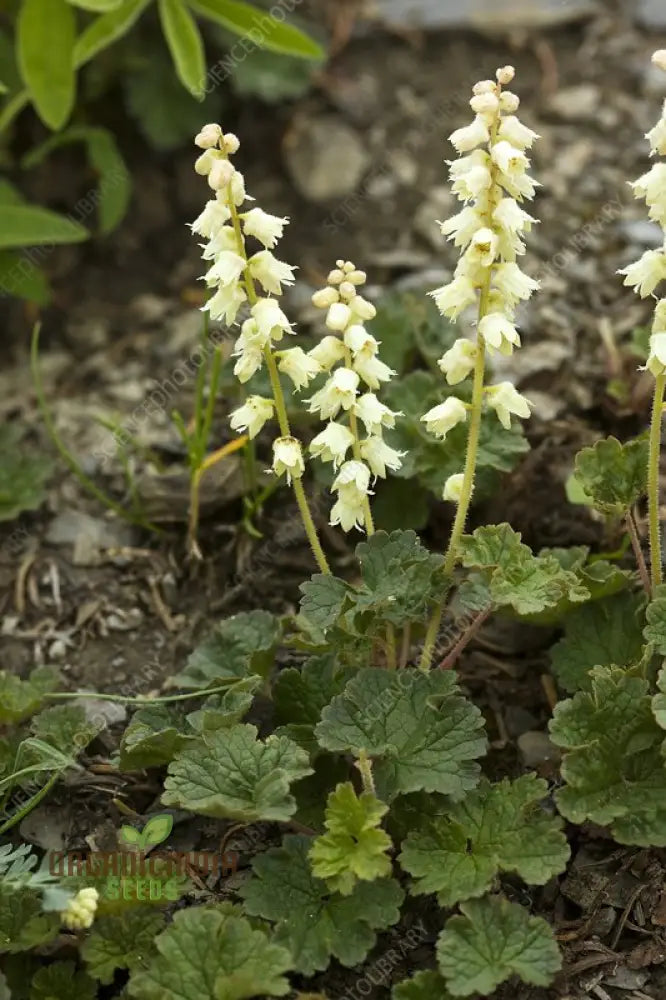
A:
x: 136, y: 871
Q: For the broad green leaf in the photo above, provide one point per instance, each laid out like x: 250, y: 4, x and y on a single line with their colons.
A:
x: 62, y: 981
x: 354, y: 846
x: 240, y: 646
x: 21, y: 278
x: 600, y: 578
x: 23, y: 924
x: 399, y: 577
x: 491, y: 547
x: 492, y: 940
x: 115, y: 186
x: 426, y: 985
x: 28, y: 226
x: 659, y: 700
x: 655, y: 615
x: 24, y: 473
x: 124, y: 941
x: 107, y: 29
x: 496, y: 828
x: 311, y: 922
x: 324, y: 597
x: 45, y: 35
x: 300, y: 695
x: 152, y: 739
x: 311, y: 792
x: 19, y: 699
x: 211, y: 953
x: 612, y: 765
x: 260, y: 28
x: 419, y: 730
x: 185, y: 45
x: 96, y: 6
x: 65, y: 727
x: 222, y: 710
x: 230, y: 774
x: 598, y: 634
x: 612, y: 474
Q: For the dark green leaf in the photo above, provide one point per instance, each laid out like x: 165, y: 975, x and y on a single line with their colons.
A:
x: 612, y: 474
x: 263, y: 30
x: 62, y: 981
x: 27, y: 226
x: 239, y: 647
x: 152, y: 739
x: 124, y: 941
x: 46, y: 31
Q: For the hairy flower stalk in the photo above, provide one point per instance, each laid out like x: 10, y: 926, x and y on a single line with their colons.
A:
x: 356, y: 417
x: 645, y: 275
x: 490, y: 178
x: 235, y: 276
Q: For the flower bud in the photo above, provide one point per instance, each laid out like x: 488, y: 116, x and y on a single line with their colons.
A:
x: 659, y: 59
x: 336, y: 275
x: 325, y: 297
x: 347, y: 290
x: 339, y: 316
x: 509, y: 102
x: 484, y: 87
x: 204, y: 162
x: 231, y: 143
x: 505, y: 74
x: 484, y: 104
x: 453, y: 487
x: 220, y: 174
x: 208, y: 137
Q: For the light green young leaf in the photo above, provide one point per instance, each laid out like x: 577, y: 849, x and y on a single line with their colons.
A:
x: 598, y: 634
x: 426, y: 985
x: 219, y: 711
x: 62, y: 981
x: 240, y: 646
x: 107, y: 29
x: 185, y: 45
x: 24, y: 473
x: 310, y: 921
x: 19, y: 699
x: 491, y: 547
x: 231, y: 774
x: 96, y: 6
x: 300, y: 695
x: 612, y: 474
x: 655, y: 630
x: 23, y: 925
x: 324, y: 599
x: 492, y: 940
x: 152, y: 739
x: 421, y: 733
x: 211, y: 953
x: 612, y: 766
x: 496, y: 828
x: 124, y: 941
x: 65, y: 727
x: 23, y: 279
x: 28, y: 225
x: 265, y: 31
x: 46, y: 30
x: 354, y: 846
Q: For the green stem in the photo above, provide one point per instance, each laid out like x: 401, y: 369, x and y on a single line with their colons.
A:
x: 138, y: 699
x: 30, y: 804
x: 364, y: 764
x: 653, y: 481
x: 356, y: 449
x: 280, y: 406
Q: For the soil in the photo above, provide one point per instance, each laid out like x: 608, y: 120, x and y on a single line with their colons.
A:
x: 121, y: 615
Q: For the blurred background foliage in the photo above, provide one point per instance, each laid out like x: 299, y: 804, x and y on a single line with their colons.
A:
x: 174, y: 64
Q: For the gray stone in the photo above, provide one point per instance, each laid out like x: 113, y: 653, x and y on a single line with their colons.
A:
x: 536, y: 749
x: 574, y: 104
x: 486, y: 15
x: 325, y: 158
x: 70, y: 526
x: 651, y: 14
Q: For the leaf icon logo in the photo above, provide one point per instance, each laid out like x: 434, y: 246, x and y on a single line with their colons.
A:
x: 156, y: 831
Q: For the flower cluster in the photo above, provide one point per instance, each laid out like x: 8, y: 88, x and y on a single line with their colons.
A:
x: 81, y: 909
x: 650, y: 270
x: 349, y: 355
x: 491, y: 179
x: 237, y: 279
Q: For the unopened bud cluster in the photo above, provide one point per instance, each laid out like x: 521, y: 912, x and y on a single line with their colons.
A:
x: 491, y: 179
x: 650, y: 269
x: 347, y: 400
x: 81, y: 909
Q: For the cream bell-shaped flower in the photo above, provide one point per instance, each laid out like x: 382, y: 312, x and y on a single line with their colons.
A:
x: 445, y: 416
x: 249, y: 362
x: 288, y: 458
x: 252, y: 415
x: 268, y: 229
x: 328, y: 352
x: 458, y: 361
x: 270, y: 319
x: 470, y: 136
x: 271, y: 272
x: 505, y: 400
x: 226, y: 270
x: 332, y: 444
x: 372, y: 369
x: 215, y: 215
x: 339, y: 316
x: 656, y: 362
x: 499, y: 332
x: 646, y: 273
x: 300, y: 367
x: 380, y: 456
x: 79, y: 914
x: 339, y: 392
x: 374, y: 414
x: 453, y: 298
x: 225, y: 304
x: 453, y: 487
x: 208, y: 137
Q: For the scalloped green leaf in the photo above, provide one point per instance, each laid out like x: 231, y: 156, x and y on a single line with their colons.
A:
x: 313, y: 923
x: 23, y: 924
x: 65, y: 727
x: 323, y: 600
x: 222, y: 710
x: 122, y: 941
x: 425, y: 985
x: 212, y: 953
x: 612, y: 765
x: 23, y: 473
x: 419, y: 730
x: 230, y: 774
x: 240, y: 646
x: 612, y: 474
x: 299, y: 696
x: 354, y: 846
x: 598, y: 634
x: 491, y: 941
x: 496, y: 828
x: 152, y: 739
x: 20, y: 699
x: 62, y: 981
x: 655, y: 616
